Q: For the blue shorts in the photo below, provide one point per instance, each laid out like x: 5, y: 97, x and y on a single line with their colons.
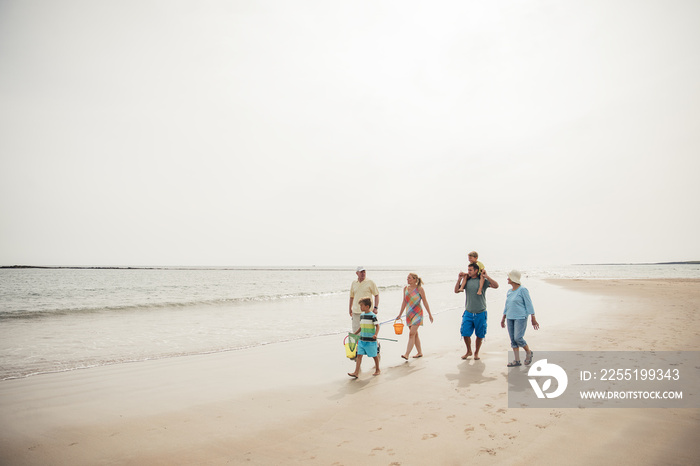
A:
x: 474, y: 323
x: 367, y: 348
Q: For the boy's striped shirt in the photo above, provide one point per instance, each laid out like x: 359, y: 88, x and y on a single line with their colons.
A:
x: 368, y: 320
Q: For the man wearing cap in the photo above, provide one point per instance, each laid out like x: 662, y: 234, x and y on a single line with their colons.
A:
x: 475, y: 316
x: 361, y: 288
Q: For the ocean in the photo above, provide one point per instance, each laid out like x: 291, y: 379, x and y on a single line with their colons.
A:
x: 61, y: 319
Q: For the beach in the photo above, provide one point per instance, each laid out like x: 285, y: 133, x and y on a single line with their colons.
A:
x: 292, y: 402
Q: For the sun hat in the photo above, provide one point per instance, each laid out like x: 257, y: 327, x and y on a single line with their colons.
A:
x: 514, y: 276
x: 360, y: 269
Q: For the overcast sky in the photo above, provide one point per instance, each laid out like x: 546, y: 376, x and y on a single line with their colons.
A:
x: 343, y: 132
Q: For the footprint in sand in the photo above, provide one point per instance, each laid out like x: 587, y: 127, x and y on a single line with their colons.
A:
x: 429, y: 436
x: 540, y: 426
x: 490, y: 451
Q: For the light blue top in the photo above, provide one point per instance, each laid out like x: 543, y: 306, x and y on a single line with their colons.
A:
x: 518, y: 304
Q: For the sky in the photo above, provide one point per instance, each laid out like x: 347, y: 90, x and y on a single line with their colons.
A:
x: 263, y: 133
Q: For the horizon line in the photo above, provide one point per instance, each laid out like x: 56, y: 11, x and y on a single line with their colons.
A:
x: 283, y: 267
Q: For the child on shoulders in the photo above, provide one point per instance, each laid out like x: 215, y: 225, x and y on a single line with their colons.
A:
x: 473, y: 259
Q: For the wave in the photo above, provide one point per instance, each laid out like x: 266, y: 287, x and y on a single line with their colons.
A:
x: 174, y: 304
x: 44, y: 313
x: 80, y: 364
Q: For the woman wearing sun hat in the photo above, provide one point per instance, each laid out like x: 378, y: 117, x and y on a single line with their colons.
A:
x: 518, y: 307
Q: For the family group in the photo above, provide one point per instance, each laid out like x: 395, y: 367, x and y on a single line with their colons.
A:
x: 364, y: 307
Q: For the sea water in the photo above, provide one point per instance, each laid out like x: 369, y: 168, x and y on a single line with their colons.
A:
x: 66, y: 319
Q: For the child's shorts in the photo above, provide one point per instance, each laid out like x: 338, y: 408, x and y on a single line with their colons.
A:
x: 367, y: 348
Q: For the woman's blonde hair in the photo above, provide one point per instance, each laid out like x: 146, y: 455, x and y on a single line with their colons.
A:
x: 419, y: 281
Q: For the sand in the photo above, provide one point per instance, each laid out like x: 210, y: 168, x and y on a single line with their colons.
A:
x: 292, y: 403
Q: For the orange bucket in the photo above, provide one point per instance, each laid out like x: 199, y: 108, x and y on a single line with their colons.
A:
x: 398, y: 326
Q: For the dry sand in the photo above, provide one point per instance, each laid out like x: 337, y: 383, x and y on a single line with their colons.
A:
x: 292, y: 403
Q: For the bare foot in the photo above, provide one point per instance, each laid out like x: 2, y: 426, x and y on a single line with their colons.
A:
x: 354, y: 376
x: 479, y: 293
x: 377, y: 372
x: 405, y: 357
x: 476, y: 357
x: 419, y: 355
x: 466, y: 356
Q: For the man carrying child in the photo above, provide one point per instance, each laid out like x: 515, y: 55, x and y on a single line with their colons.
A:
x: 474, y: 318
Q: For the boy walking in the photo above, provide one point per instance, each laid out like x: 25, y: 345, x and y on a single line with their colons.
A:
x: 367, y: 346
